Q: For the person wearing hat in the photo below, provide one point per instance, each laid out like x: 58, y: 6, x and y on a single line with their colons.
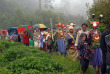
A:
x: 60, y: 42
x: 70, y: 41
x: 94, y: 42
x: 72, y: 24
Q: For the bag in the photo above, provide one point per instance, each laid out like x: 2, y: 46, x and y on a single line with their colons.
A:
x: 87, y: 54
x: 107, y: 40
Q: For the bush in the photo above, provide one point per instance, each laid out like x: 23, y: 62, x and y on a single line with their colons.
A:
x: 19, y: 59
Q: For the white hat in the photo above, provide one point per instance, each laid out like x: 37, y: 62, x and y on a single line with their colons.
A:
x: 72, y: 24
x: 71, y: 27
x: 94, y: 24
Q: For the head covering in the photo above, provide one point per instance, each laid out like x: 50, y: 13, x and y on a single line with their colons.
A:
x: 71, y: 24
x: 94, y: 24
x: 71, y: 27
x: 78, y: 28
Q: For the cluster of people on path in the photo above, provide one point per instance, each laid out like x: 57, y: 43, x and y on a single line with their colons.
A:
x: 92, y: 47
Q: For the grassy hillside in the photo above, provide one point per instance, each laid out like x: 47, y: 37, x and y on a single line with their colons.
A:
x: 15, y: 58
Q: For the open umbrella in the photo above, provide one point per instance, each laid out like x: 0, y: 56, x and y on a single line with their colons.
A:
x: 10, y: 31
x: 39, y: 26
x: 20, y: 29
x: 4, y: 31
x: 42, y: 27
x: 26, y: 26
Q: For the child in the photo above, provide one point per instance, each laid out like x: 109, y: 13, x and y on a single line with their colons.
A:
x: 49, y: 44
x: 31, y: 42
x: 85, y: 53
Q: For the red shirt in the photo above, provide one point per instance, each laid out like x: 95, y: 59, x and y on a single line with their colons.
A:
x: 25, y: 39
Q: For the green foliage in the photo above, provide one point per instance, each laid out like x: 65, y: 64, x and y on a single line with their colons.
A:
x: 19, y: 59
x: 101, y: 7
x: 102, y: 28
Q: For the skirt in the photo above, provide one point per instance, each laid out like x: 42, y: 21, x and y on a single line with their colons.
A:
x: 97, y: 57
x: 61, y: 46
x: 36, y: 44
x: 84, y: 63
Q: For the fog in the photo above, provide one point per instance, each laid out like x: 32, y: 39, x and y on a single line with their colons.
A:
x: 75, y: 9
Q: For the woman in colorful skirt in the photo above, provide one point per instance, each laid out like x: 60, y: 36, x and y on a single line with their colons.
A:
x: 94, y: 41
x: 61, y: 44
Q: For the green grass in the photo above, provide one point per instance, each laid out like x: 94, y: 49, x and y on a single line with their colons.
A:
x: 19, y: 59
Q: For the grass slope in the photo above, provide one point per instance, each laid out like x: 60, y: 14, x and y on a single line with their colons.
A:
x: 19, y: 59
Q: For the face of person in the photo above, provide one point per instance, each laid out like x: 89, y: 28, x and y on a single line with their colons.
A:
x: 84, y: 37
x: 84, y: 27
x: 71, y: 30
x: 14, y: 32
x: 94, y: 27
x: 3, y: 32
x: 79, y: 29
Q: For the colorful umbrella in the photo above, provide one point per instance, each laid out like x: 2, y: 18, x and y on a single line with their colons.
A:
x: 39, y: 26
x: 26, y: 26
x: 10, y: 31
x: 4, y: 31
x: 31, y: 34
x: 20, y: 29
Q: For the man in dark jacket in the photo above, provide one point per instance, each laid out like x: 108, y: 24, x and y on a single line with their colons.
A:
x: 104, y: 48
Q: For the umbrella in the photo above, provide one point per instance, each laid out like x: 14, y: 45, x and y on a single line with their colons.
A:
x: 39, y: 26
x: 4, y: 31
x: 20, y: 29
x: 31, y: 34
x: 26, y: 26
x: 10, y: 31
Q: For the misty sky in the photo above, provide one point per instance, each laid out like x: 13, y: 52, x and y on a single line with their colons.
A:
x: 73, y: 7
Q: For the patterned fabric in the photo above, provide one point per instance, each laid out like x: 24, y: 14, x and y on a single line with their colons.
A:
x: 78, y: 36
x: 97, y: 57
x: 14, y: 37
x: 36, y: 37
x: 61, y: 46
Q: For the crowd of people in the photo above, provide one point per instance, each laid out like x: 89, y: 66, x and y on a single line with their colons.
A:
x: 92, y: 47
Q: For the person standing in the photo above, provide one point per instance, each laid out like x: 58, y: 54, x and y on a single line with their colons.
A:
x: 61, y: 44
x: 85, y: 52
x: 84, y: 30
x: 26, y: 38
x: 36, y: 38
x: 3, y: 35
x: 94, y: 39
x: 70, y: 41
x: 104, y: 48
x: 14, y: 37
x: 78, y: 51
